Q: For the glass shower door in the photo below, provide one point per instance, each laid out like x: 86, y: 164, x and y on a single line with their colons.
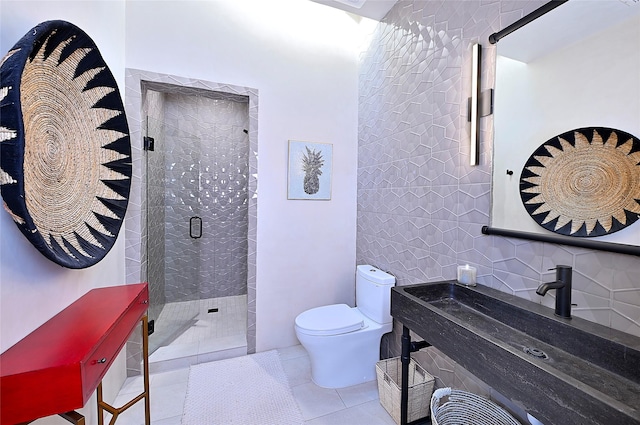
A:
x: 173, y: 230
x: 197, y: 217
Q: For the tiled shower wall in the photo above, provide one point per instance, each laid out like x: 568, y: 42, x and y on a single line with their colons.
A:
x: 421, y: 206
x: 206, y: 176
x: 136, y: 219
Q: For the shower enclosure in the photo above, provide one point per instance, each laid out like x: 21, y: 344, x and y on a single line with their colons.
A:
x: 196, y: 153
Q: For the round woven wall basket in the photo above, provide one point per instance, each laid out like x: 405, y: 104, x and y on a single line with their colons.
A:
x: 65, y: 153
x: 585, y: 182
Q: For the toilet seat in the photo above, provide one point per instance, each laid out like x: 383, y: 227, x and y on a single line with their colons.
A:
x: 333, y: 319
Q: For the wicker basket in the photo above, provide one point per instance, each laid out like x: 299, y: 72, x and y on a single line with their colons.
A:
x: 389, y: 374
x: 456, y: 407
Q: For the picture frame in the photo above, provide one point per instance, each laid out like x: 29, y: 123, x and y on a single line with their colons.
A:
x: 310, y: 170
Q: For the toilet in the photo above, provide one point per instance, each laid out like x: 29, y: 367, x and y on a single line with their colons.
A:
x: 343, y: 342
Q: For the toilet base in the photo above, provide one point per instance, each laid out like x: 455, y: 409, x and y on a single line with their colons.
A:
x: 339, y: 361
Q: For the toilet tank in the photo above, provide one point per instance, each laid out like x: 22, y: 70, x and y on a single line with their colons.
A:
x: 373, y: 293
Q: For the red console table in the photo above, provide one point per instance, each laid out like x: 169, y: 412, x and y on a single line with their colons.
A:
x: 56, y: 368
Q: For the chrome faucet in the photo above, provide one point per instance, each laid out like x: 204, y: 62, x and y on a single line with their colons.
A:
x: 562, y: 285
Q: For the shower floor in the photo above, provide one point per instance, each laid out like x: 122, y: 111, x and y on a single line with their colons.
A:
x: 192, y: 332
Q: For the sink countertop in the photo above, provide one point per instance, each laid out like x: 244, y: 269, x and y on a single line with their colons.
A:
x: 591, y: 375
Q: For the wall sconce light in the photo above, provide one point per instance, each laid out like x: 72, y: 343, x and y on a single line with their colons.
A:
x: 480, y: 104
x: 476, y: 57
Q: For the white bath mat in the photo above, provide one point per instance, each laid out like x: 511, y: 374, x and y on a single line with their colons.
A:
x: 244, y: 390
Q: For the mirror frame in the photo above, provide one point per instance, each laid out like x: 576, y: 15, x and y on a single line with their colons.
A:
x: 551, y: 238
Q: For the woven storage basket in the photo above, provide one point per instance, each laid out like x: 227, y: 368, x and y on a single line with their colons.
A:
x: 456, y: 407
x: 389, y: 374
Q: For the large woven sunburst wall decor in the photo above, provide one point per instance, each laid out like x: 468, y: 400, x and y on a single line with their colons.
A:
x: 65, y: 153
x: 585, y: 182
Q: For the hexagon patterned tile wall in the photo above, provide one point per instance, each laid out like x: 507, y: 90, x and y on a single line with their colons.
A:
x: 421, y: 206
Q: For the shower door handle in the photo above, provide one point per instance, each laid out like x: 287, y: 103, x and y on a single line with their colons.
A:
x: 195, y: 227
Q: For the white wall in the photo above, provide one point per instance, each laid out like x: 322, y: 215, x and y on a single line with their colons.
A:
x: 32, y: 288
x: 305, y: 69
x: 301, y: 57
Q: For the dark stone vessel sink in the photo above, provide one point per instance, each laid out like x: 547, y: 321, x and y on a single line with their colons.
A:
x: 562, y: 371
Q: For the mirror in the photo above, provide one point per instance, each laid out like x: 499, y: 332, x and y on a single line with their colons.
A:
x: 576, y: 66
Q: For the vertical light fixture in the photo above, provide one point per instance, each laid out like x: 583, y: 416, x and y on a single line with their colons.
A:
x: 476, y: 58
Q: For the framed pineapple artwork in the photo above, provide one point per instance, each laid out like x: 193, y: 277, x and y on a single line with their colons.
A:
x: 310, y: 166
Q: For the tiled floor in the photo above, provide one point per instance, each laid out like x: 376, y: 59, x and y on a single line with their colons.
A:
x: 187, y: 333
x: 357, y: 405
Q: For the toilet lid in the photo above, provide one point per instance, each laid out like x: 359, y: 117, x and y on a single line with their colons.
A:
x: 329, y: 320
